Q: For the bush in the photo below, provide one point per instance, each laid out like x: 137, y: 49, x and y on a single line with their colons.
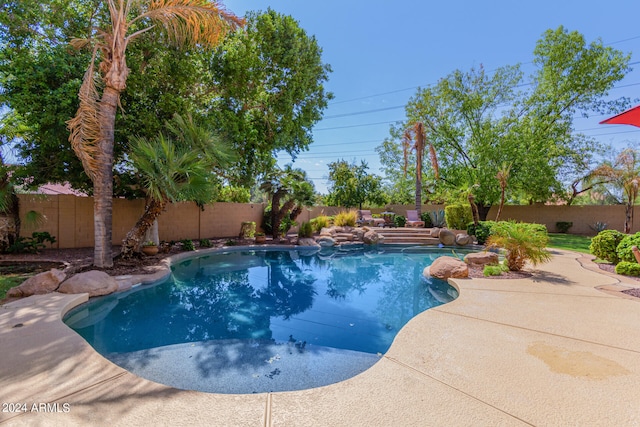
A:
x: 624, y: 247
x: 482, y: 231
x: 457, y: 216
x: 563, y: 226
x: 32, y: 244
x: 306, y: 230
x: 399, y: 221
x: 494, y: 270
x: 599, y: 226
x: 604, y: 245
x: 346, y: 218
x: 205, y: 243
x: 319, y: 222
x: 187, y: 245
x: 628, y: 268
x: 522, y: 241
x: 426, y: 217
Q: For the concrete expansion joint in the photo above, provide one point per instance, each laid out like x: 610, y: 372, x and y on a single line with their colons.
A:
x: 267, y: 411
x: 94, y: 385
x: 424, y: 374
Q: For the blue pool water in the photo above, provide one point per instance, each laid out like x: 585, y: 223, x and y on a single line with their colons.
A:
x: 242, y: 321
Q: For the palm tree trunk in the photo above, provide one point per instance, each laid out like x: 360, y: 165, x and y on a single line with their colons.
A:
x: 628, y: 220
x: 501, y: 205
x: 103, y: 185
x: 134, y: 237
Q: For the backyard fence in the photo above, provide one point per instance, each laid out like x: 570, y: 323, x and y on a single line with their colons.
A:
x: 70, y: 218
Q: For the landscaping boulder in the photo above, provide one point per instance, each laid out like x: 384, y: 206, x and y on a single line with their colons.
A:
x: 93, y: 282
x: 435, y: 232
x: 327, y: 231
x: 463, y: 239
x: 445, y: 267
x: 481, y: 258
x: 307, y: 241
x: 359, y: 233
x: 447, y: 237
x: 39, y: 284
x: 325, y: 241
x: 372, y: 238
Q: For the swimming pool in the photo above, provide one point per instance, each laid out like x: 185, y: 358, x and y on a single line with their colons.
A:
x: 255, y: 320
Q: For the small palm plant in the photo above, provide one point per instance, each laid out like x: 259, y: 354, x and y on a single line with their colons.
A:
x: 523, y: 242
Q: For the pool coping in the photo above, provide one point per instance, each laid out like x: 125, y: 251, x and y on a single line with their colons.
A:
x: 491, y: 357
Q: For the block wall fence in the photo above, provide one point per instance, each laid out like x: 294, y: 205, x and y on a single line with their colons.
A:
x: 70, y: 218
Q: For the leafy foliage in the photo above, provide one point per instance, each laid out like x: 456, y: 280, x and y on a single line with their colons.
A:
x: 320, y: 222
x: 605, y: 244
x: 306, y: 229
x: 350, y: 185
x: 457, y: 216
x: 494, y: 270
x: 437, y: 218
x: 483, y: 125
x: 426, y: 217
x: 522, y: 242
x: 399, y: 221
x: 624, y: 248
x: 269, y: 80
x: 564, y: 226
x: 32, y: 244
x: 628, y: 268
x: 482, y: 231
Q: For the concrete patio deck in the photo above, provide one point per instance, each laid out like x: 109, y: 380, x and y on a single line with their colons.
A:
x: 550, y: 350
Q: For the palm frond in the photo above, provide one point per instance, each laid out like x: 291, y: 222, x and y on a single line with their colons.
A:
x: 190, y: 21
x: 84, y: 128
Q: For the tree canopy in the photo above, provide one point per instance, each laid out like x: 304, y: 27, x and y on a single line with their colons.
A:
x: 351, y: 186
x: 479, y: 121
x: 269, y: 81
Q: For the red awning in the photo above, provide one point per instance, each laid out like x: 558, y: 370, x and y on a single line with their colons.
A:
x: 629, y: 117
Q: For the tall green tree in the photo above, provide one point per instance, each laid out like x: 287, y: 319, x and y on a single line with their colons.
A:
x: 269, y: 80
x: 350, y: 185
x: 478, y: 122
x: 92, y: 128
x: 290, y: 191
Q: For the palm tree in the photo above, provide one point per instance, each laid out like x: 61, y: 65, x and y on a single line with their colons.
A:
x: 290, y: 191
x: 418, y: 132
x: 626, y: 172
x: 92, y: 129
x: 175, y: 168
x: 503, y: 178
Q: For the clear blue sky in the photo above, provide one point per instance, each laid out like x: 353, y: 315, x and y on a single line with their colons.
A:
x: 381, y: 51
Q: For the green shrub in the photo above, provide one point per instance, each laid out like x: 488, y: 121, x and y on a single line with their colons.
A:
x: 482, y: 231
x: 457, y: 216
x: 320, y: 222
x: 32, y: 244
x: 399, y: 221
x: 187, y: 245
x: 522, y: 242
x: 346, y: 218
x: 426, y: 217
x: 306, y: 230
x: 494, y: 269
x: 230, y: 243
x: 205, y: 243
x: 628, y: 268
x: 604, y: 245
x: 563, y: 226
x: 624, y: 247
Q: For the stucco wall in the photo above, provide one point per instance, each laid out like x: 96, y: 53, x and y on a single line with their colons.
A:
x: 70, y: 218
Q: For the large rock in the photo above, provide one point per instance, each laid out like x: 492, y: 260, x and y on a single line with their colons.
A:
x: 326, y: 241
x: 39, y: 284
x: 435, y: 232
x: 372, y: 238
x: 93, y: 282
x: 447, y: 237
x: 447, y: 266
x: 463, y: 239
x: 481, y: 258
x: 307, y: 241
x: 327, y: 231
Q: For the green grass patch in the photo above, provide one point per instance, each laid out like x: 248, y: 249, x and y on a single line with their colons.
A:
x: 10, y: 280
x: 570, y: 242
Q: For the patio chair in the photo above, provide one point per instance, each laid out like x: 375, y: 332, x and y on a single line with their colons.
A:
x: 367, y: 218
x: 413, y: 220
